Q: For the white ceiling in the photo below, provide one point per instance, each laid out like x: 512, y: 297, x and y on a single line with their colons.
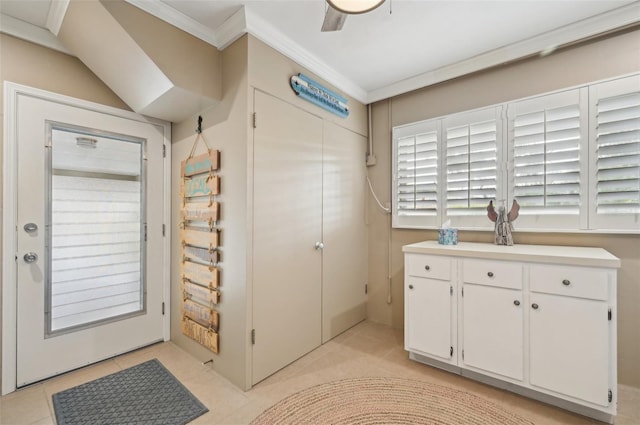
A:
x: 402, y: 45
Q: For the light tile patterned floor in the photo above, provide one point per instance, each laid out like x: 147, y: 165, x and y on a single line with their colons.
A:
x: 367, y: 349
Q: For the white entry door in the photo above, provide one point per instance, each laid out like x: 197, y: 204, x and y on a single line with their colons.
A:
x: 89, y: 242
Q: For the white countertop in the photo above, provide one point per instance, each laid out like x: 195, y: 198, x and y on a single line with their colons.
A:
x: 568, y: 255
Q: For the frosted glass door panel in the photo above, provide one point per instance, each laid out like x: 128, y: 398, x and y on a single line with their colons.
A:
x: 96, y: 232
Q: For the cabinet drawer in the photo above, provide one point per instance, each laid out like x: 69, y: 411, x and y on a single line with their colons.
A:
x: 502, y: 274
x: 580, y: 282
x: 429, y: 266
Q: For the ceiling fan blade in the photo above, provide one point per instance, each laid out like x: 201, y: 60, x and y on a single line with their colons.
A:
x: 333, y: 19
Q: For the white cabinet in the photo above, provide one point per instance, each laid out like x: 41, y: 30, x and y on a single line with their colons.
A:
x: 569, y: 329
x: 537, y: 320
x: 429, y: 304
x: 493, y: 331
x: 492, y: 317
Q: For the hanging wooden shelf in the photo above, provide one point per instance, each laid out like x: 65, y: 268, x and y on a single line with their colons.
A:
x: 200, y: 235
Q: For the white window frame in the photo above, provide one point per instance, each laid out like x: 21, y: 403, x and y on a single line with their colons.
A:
x: 618, y: 223
x: 549, y: 220
x: 474, y: 221
x: 417, y: 221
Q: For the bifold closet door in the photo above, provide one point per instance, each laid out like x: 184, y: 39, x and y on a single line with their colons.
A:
x: 287, y: 231
x: 344, y: 230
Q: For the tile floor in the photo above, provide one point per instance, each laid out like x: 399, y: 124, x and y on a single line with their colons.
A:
x: 368, y: 349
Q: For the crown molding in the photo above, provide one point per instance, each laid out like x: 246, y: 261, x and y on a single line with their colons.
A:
x: 547, y: 42
x: 57, y: 11
x: 244, y: 21
x: 31, y: 33
x: 231, y: 29
x: 179, y: 20
x: 267, y: 33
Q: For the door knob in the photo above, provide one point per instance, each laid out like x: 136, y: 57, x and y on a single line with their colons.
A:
x: 410, y: 286
x: 30, y: 257
x: 30, y: 227
x: 534, y: 306
x: 319, y: 245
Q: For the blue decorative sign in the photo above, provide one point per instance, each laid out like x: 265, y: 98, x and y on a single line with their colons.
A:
x: 313, y: 92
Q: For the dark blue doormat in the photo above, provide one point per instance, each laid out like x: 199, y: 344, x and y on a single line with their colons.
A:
x: 144, y: 394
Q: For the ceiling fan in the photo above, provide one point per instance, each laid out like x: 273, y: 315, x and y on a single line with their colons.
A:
x: 337, y: 11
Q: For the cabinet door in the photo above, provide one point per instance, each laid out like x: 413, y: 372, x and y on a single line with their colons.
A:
x: 493, y: 330
x: 428, y: 328
x: 569, y: 346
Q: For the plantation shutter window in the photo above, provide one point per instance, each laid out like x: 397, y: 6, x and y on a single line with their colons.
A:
x: 571, y: 159
x: 615, y: 151
x: 472, y: 166
x: 416, y: 175
x: 548, y: 156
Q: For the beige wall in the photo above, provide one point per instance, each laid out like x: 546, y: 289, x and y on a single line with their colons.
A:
x: 246, y: 65
x: 225, y: 128
x: 187, y: 61
x: 270, y: 71
x: 613, y: 56
x: 35, y: 66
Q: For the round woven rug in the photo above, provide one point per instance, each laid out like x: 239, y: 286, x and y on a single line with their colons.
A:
x: 385, y: 401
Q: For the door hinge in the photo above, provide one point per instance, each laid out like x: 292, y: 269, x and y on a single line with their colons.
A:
x: 366, y: 289
x: 463, y: 291
x: 610, y: 395
x: 451, y: 351
x: 609, y: 314
x: 451, y: 290
x: 164, y: 151
x: 462, y: 354
x: 255, y: 120
x: 163, y: 308
x: 253, y: 337
x: 145, y: 232
x: 164, y: 229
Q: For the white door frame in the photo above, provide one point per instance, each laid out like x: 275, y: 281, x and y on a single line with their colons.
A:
x: 9, y: 214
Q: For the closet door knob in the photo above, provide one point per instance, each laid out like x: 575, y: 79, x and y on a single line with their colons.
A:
x: 566, y: 282
x: 490, y: 274
x: 516, y: 302
x: 30, y: 227
x: 319, y: 246
x: 534, y: 306
x: 410, y: 286
x: 427, y: 268
x: 30, y: 257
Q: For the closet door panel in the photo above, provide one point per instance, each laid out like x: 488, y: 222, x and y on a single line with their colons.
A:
x: 344, y: 264
x: 287, y: 224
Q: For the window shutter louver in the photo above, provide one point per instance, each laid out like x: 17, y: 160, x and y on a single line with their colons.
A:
x: 471, y: 167
x: 417, y: 171
x: 546, y: 160
x: 618, y: 154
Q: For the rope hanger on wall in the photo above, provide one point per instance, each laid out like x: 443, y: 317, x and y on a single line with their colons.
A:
x: 199, y: 136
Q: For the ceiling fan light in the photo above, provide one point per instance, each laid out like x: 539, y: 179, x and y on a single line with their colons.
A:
x: 354, y: 6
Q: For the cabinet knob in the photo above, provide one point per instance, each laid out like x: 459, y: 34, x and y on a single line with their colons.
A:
x: 516, y: 302
x: 410, y: 286
x: 427, y: 268
x: 566, y: 282
x: 534, y: 306
x: 490, y: 274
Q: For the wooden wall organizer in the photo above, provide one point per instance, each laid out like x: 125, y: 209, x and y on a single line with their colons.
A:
x: 200, y: 273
